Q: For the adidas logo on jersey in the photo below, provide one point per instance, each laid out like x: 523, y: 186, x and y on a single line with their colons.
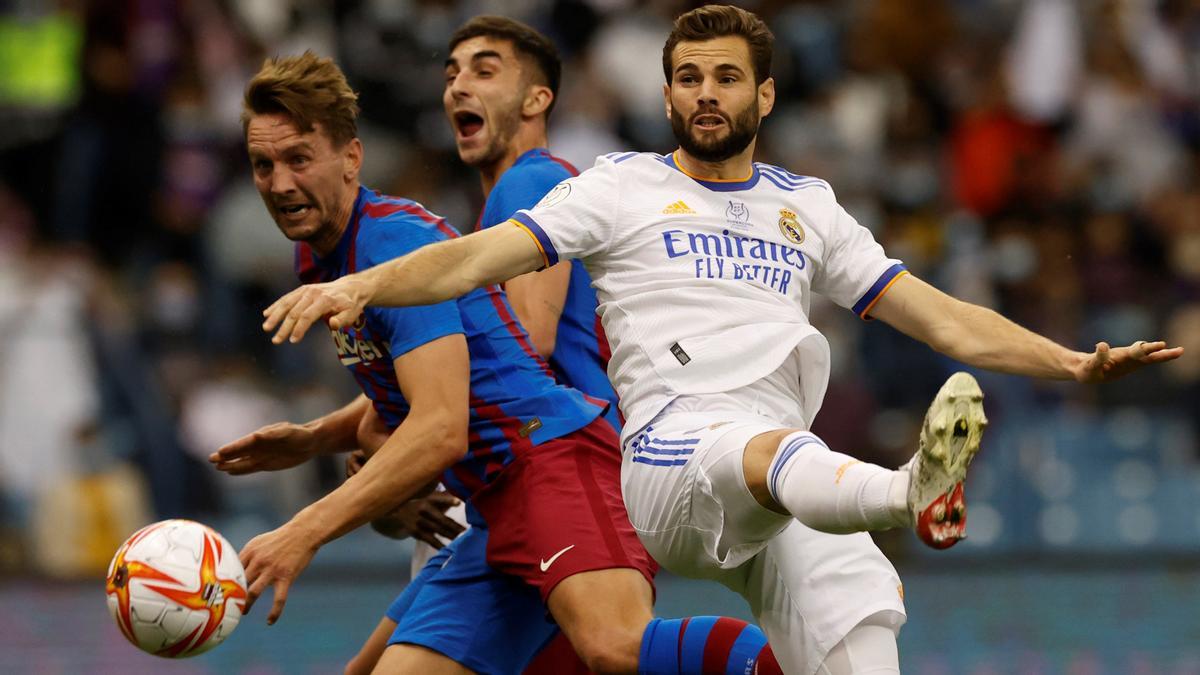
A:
x: 677, y: 208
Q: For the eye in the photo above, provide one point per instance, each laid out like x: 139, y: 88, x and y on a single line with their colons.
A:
x: 261, y: 165
x: 299, y: 160
x: 687, y: 79
x: 485, y: 73
x: 728, y: 79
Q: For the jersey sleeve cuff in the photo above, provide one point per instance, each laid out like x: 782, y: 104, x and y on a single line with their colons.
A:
x: 863, y: 307
x: 545, y: 246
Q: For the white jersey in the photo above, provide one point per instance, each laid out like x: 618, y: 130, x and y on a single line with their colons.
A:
x: 704, y: 286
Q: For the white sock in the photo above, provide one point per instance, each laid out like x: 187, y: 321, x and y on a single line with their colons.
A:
x: 835, y: 493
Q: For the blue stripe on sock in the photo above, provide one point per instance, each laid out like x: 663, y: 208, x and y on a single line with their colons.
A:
x: 744, y: 653
x: 783, y: 457
x: 691, y: 660
x: 660, y: 652
x: 679, y: 441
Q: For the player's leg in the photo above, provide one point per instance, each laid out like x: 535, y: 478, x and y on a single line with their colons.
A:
x: 557, y: 658
x: 869, y: 647
x: 366, y: 658
x: 470, y: 614
x: 560, y: 523
x: 700, y: 519
x: 405, y: 658
x: 604, y: 614
x: 830, y: 604
x: 368, y: 655
x: 607, y: 616
x: 795, y: 472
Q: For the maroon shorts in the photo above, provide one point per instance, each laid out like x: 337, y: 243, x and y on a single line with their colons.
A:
x: 556, y: 510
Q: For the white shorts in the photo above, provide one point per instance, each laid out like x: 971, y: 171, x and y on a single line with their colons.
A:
x: 687, y: 498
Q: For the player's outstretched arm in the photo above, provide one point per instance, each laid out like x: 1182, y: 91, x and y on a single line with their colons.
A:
x: 980, y: 337
x: 285, y: 444
x: 426, y: 276
x: 434, y: 380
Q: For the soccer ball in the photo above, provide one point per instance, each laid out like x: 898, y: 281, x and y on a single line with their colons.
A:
x: 176, y: 588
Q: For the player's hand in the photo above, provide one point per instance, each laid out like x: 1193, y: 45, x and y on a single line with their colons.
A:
x: 355, y: 462
x: 271, y: 448
x: 274, y: 560
x: 1108, y: 363
x: 340, y: 301
x: 424, y: 519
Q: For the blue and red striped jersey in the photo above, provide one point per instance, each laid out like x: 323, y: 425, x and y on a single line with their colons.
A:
x: 581, y: 353
x: 515, y: 402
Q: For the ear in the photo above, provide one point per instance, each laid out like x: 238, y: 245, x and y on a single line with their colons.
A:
x: 352, y: 157
x: 667, y: 99
x: 766, y: 97
x: 538, y: 98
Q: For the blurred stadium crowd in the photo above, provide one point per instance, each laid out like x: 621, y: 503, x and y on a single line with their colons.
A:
x: 1038, y: 156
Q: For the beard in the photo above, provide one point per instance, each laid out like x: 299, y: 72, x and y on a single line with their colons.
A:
x: 741, y: 132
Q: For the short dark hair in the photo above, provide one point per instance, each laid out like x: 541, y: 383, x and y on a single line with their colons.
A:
x: 524, y: 38
x: 306, y: 88
x: 714, y: 21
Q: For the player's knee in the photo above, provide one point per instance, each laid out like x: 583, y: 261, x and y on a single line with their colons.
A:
x: 609, y: 652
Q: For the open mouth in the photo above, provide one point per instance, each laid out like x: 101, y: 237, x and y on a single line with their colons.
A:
x: 708, y: 122
x: 468, y: 123
x: 293, y: 210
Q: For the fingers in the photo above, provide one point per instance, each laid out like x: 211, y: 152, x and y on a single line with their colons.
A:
x: 233, y: 449
x: 344, y: 318
x: 442, y: 500
x: 1154, y: 352
x: 298, y: 321
x: 295, y: 313
x: 281, y: 593
x: 354, y: 462
x: 429, y: 538
x: 239, y: 467
x: 256, y: 584
x: 279, y: 309
x: 441, y: 524
x: 1164, y: 355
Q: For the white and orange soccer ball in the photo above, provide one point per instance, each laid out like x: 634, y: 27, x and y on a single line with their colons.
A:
x: 176, y: 588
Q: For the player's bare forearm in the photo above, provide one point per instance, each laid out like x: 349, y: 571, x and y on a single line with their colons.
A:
x: 416, y: 454
x: 338, y: 431
x: 451, y: 268
x: 429, y: 275
x: 971, y: 334
x: 983, y: 338
x: 284, y: 445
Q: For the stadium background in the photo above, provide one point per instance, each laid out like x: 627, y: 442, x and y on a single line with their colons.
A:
x: 1037, y: 156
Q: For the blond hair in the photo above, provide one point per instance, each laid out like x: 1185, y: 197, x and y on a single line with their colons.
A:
x: 308, y: 89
